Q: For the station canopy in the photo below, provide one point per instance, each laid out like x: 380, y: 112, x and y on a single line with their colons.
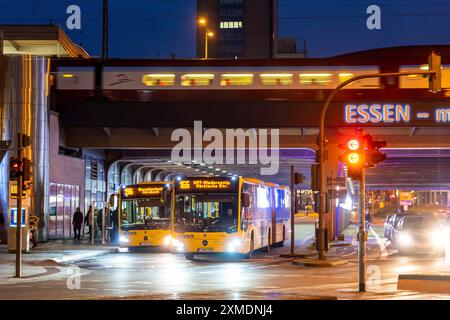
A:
x: 43, y: 40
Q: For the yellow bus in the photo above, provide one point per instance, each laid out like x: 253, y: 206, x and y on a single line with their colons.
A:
x: 229, y: 215
x: 145, y: 215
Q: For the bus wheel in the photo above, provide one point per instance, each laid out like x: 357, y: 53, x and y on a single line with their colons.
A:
x: 281, y: 243
x: 189, y: 256
x: 252, y: 248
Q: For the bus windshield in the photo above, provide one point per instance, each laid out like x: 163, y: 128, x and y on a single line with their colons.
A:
x: 206, y: 213
x: 146, y: 213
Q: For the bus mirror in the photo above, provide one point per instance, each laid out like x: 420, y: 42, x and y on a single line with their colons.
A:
x: 245, y: 200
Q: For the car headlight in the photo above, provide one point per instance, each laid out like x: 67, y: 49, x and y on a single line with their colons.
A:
x: 405, y: 239
x: 439, y: 238
x: 234, y: 245
x: 123, y: 239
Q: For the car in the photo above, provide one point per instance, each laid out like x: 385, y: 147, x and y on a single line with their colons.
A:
x: 420, y: 234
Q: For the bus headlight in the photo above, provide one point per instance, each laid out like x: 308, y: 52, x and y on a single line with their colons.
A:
x: 234, y: 245
x: 178, y: 245
x: 123, y: 239
x: 167, y: 240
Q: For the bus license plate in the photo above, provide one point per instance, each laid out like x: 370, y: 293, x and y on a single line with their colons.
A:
x: 205, y: 250
x: 146, y: 244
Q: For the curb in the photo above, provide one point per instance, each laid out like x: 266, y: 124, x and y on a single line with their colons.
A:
x: 82, y: 256
x: 424, y: 283
x: 319, y: 263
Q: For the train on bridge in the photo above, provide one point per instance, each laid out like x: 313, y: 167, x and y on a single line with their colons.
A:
x: 248, y: 80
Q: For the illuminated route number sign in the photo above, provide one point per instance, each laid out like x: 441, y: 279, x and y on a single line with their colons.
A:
x: 142, y: 191
x: 206, y: 185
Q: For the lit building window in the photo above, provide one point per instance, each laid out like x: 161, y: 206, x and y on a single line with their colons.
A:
x: 231, y: 25
x: 158, y: 80
x: 236, y: 79
x: 315, y: 79
x: 277, y: 79
x: 192, y: 80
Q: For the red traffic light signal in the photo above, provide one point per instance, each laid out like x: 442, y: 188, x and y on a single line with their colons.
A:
x: 354, y: 153
x: 15, y: 169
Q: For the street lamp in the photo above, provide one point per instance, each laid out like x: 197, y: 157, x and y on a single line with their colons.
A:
x: 208, y: 34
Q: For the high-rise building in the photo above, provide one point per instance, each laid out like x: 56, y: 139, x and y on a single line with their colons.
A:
x: 242, y: 28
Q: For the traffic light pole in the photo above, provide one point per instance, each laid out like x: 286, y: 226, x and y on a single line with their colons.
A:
x: 292, y: 209
x: 19, y: 211
x: 362, y: 233
x: 321, y: 151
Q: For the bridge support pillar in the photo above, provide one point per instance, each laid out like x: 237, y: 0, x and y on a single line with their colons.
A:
x: 332, y: 172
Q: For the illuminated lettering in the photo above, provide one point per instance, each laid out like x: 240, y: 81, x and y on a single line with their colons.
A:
x: 363, y: 112
x: 350, y: 113
x: 205, y: 184
x: 402, y: 114
x: 150, y: 190
x: 443, y: 115
x: 388, y: 112
x: 376, y: 113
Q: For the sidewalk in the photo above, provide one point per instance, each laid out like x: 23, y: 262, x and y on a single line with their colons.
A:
x: 45, y: 256
x: 60, y: 251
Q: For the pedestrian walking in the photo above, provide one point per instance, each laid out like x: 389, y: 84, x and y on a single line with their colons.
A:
x: 77, y: 222
x: 115, y: 225
x: 87, y: 220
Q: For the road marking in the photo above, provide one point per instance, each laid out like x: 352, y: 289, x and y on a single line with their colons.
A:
x: 384, y: 252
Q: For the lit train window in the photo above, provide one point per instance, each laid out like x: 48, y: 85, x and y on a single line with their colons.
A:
x: 344, y: 76
x: 421, y: 81
x: 277, y: 79
x: 68, y: 75
x: 192, y: 80
x: 236, y: 79
x: 158, y: 80
x: 315, y: 79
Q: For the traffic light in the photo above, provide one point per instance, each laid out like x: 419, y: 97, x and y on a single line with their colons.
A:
x: 26, y: 171
x: 373, y: 154
x: 15, y: 169
x: 434, y: 65
x: 353, y: 157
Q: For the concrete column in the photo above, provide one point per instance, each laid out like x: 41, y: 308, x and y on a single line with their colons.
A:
x: 24, y: 109
x: 332, y: 172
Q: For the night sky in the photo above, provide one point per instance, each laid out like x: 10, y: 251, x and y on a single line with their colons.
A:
x: 157, y: 28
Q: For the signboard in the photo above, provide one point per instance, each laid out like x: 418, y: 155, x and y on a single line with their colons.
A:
x: 13, y: 191
x: 13, y: 217
x: 394, y: 113
x: 405, y: 198
x: 207, y: 184
x: 143, y: 191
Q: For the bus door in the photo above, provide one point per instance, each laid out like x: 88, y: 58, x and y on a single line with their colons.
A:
x: 274, y: 215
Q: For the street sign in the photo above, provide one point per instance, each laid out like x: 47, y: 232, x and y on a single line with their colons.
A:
x: 405, y: 198
x: 13, y: 191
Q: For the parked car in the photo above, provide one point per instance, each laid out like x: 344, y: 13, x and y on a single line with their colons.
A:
x: 420, y: 234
